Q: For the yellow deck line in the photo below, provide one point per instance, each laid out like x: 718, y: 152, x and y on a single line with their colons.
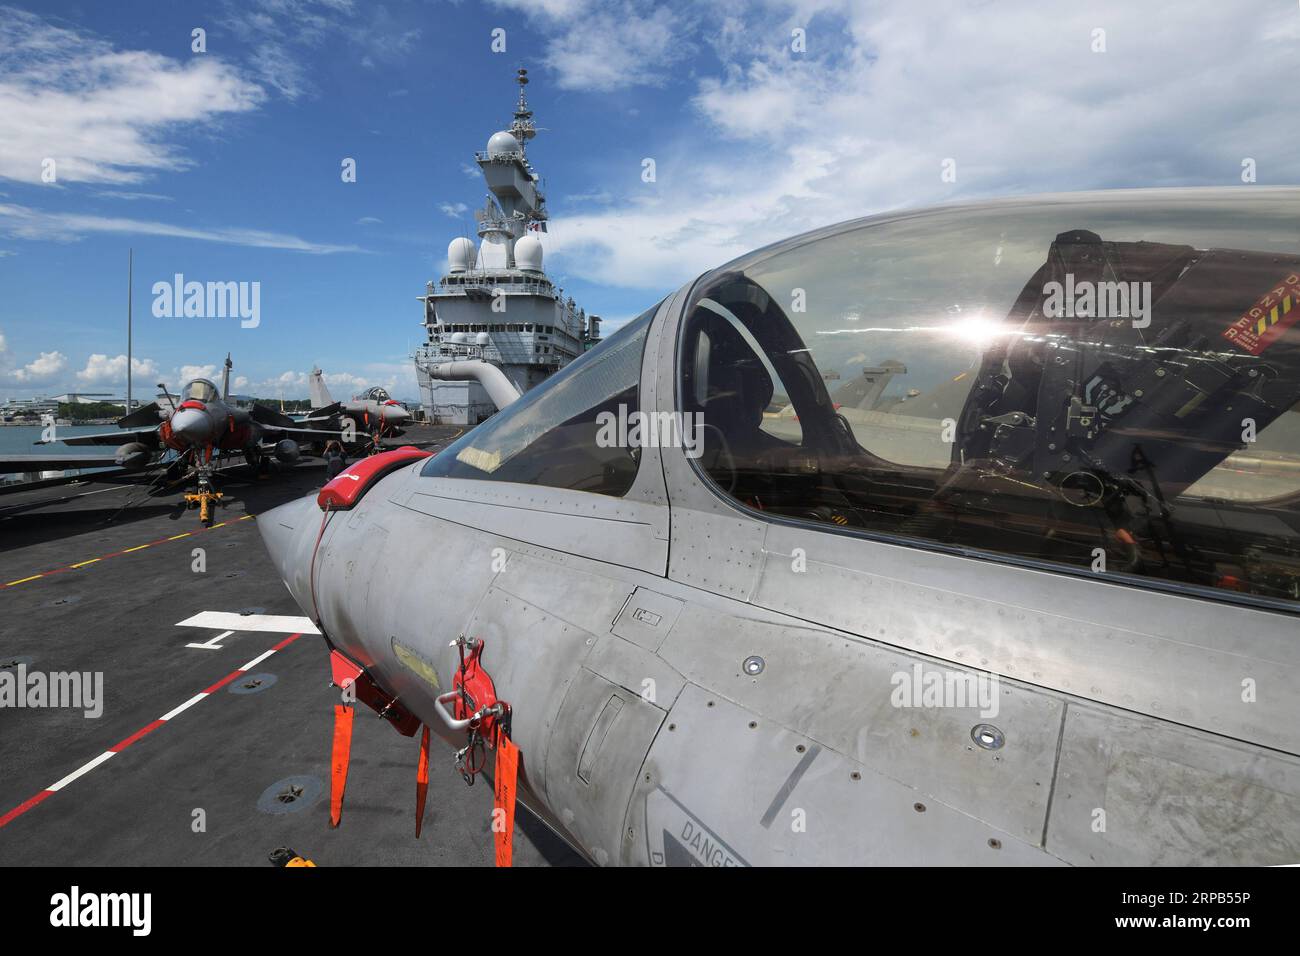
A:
x: 139, y: 547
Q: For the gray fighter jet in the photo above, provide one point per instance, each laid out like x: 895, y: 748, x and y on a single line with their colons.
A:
x: 1053, y: 621
x: 204, y: 424
x: 374, y: 412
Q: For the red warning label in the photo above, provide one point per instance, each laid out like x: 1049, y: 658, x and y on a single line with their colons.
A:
x: 1275, y: 312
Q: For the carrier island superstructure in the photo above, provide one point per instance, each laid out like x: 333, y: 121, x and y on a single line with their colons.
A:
x: 495, y: 317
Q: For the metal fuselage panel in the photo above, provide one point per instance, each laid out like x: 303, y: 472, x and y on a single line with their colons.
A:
x: 645, y: 741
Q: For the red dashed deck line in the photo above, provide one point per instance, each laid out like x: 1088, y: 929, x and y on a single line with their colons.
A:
x: 233, y: 675
x: 118, y: 748
x: 24, y: 807
x: 144, y: 731
x: 118, y: 554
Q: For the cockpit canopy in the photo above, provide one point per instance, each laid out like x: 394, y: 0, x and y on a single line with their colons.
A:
x: 1108, y: 383
x: 375, y: 394
x: 200, y: 390
x: 1101, y: 384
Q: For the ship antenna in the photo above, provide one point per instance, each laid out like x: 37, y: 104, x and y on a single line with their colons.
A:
x: 522, y: 128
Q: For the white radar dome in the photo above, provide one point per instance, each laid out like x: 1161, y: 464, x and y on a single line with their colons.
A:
x: 528, y: 254
x: 503, y: 144
x: 482, y: 339
x: 461, y: 253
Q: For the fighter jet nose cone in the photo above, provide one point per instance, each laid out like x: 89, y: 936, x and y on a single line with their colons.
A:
x: 191, y: 425
x: 289, y: 533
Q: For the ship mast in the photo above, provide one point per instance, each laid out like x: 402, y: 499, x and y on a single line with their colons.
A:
x: 515, y: 202
x: 522, y: 128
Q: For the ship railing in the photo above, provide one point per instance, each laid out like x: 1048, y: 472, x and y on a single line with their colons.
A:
x: 447, y: 352
x: 489, y: 288
x: 502, y: 158
x: 489, y: 225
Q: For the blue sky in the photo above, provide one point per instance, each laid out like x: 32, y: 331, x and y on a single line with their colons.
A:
x: 225, y: 165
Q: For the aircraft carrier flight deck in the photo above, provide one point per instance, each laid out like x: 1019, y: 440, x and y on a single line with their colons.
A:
x: 213, y: 746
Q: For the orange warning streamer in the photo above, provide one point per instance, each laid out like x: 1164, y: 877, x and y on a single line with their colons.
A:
x: 421, y: 781
x: 503, y: 824
x: 339, y: 763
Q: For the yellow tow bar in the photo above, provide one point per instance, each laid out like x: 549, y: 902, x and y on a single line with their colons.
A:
x: 205, y: 501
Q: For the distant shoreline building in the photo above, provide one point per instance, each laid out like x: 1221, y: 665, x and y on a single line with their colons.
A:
x: 496, y: 303
x: 28, y: 410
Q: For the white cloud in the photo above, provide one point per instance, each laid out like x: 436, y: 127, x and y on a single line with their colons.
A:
x: 454, y: 210
x: 100, y: 113
x: 117, y: 194
x: 43, y: 369
x: 103, y: 369
x: 286, y: 35
x: 275, y: 66
x: 605, y: 46
x: 396, y: 376
x: 616, y: 47
x: 51, y: 372
x: 188, y: 373
x: 27, y: 223
x: 46, y: 366
x: 554, y: 9
x: 861, y: 123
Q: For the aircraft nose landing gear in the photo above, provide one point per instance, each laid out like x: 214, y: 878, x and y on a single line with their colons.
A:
x: 205, y: 499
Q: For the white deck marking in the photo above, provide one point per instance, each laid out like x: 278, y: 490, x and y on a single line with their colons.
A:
x: 213, y: 644
x: 185, y: 706
x: 257, y: 660
x: 144, y: 731
x: 262, y: 623
x: 84, y: 769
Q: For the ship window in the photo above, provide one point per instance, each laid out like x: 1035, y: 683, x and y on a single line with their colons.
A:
x: 556, y: 434
x: 1106, y: 388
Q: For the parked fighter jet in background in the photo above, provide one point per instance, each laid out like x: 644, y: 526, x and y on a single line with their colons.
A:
x: 204, y: 424
x: 374, y: 411
x: 1050, y: 619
